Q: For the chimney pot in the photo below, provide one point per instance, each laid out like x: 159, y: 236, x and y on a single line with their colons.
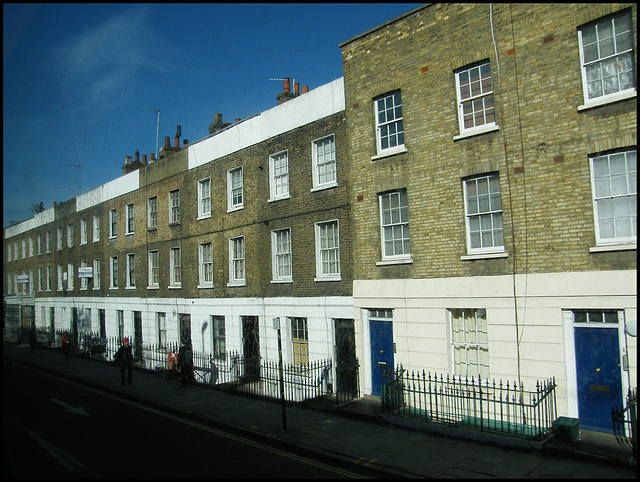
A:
x: 176, y: 142
x: 185, y: 142
x: 305, y: 89
x: 167, y: 142
x: 286, y: 85
x: 144, y: 159
x: 296, y: 88
x: 127, y: 160
x: 153, y: 157
x: 217, y: 118
x: 137, y: 156
x: 55, y: 204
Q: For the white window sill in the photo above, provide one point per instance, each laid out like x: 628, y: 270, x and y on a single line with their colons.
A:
x: 281, y: 281
x: 203, y: 216
x: 391, y: 262
x: 477, y: 131
x: 235, y: 284
x: 205, y: 287
x: 113, y: 288
x: 324, y: 187
x: 389, y: 152
x: 600, y: 101
x: 129, y: 234
x: 130, y: 288
x: 94, y: 289
x: 328, y: 278
x: 113, y: 237
x: 274, y: 199
x: 153, y: 287
x: 235, y: 208
x: 175, y: 287
x: 470, y: 257
x: 613, y: 247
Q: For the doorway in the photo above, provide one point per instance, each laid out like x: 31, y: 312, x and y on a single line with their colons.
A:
x: 185, y: 328
x: 346, y: 362
x: 251, y: 347
x: 137, y: 334
x: 381, y: 342
x: 598, y: 368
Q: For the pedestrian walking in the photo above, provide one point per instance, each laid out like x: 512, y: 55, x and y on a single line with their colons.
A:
x: 66, y: 345
x: 33, y: 339
x: 185, y: 363
x: 124, y: 357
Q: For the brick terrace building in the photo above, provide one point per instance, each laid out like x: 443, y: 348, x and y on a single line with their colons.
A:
x: 493, y: 190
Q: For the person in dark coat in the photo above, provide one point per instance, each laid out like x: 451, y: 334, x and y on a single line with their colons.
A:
x: 124, y: 357
x: 66, y: 345
x: 185, y: 363
x: 33, y: 339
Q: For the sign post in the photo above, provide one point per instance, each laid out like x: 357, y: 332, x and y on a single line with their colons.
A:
x: 276, y: 325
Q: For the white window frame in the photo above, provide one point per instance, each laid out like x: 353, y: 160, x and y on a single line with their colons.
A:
x: 113, y: 272
x: 113, y: 223
x: 204, y: 198
x: 131, y: 271
x: 8, y: 252
x: 83, y: 231
x: 281, y: 256
x: 31, y: 282
x: 96, y: 228
x: 15, y: 248
x: 39, y: 244
x: 477, y: 216
x: 218, y: 332
x: 387, y: 117
x: 24, y: 249
x: 84, y: 282
x: 174, y: 206
x: 175, y: 267
x: 327, y: 251
x: 205, y: 265
x: 47, y: 242
x: 129, y: 219
x: 49, y: 276
x: 237, y: 262
x: 40, y: 280
x: 31, y: 247
x: 235, y: 191
x: 475, y: 92
x: 619, y: 50
x: 299, y: 343
x: 324, y: 160
x: 96, y: 273
x: 60, y: 280
x: 392, y: 219
x: 469, y: 338
x: 154, y: 269
x: 161, y: 319
x: 70, y: 235
x: 70, y: 277
x: 614, y: 191
x: 152, y: 212
x: 278, y: 178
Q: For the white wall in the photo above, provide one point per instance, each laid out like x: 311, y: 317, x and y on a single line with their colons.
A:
x: 422, y: 334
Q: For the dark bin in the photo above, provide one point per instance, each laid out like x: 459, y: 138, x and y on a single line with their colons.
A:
x: 566, y: 429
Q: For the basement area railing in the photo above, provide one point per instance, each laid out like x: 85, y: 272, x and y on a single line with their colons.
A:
x: 485, y: 405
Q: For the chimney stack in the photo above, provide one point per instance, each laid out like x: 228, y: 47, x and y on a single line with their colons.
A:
x: 127, y: 160
x: 305, y: 89
x: 296, y: 88
x: 286, y: 92
x: 153, y: 157
x: 167, y: 142
x: 286, y: 85
x: 137, y: 156
x: 144, y: 159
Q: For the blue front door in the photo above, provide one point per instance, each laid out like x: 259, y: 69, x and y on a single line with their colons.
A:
x: 599, y: 378
x: 381, y: 351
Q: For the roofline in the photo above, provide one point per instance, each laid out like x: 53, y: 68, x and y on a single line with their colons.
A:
x: 388, y: 22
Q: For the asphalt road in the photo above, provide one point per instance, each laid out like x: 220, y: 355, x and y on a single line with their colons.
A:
x: 57, y: 428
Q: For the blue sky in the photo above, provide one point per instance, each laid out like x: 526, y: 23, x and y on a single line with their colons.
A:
x: 76, y: 76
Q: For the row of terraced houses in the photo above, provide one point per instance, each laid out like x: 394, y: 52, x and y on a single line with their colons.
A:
x: 462, y: 200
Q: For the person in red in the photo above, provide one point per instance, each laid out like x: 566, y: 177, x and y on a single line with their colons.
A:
x: 66, y: 345
x: 124, y: 357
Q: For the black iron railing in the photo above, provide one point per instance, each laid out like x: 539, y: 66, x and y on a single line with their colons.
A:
x: 489, y: 406
x: 625, y: 424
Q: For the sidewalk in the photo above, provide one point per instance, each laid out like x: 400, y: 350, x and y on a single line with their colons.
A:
x: 344, y: 438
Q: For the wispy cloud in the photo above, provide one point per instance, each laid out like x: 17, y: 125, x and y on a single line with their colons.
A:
x: 99, y: 63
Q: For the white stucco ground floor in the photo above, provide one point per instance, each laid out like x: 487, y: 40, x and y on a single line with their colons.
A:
x: 306, y: 324
x: 571, y: 326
